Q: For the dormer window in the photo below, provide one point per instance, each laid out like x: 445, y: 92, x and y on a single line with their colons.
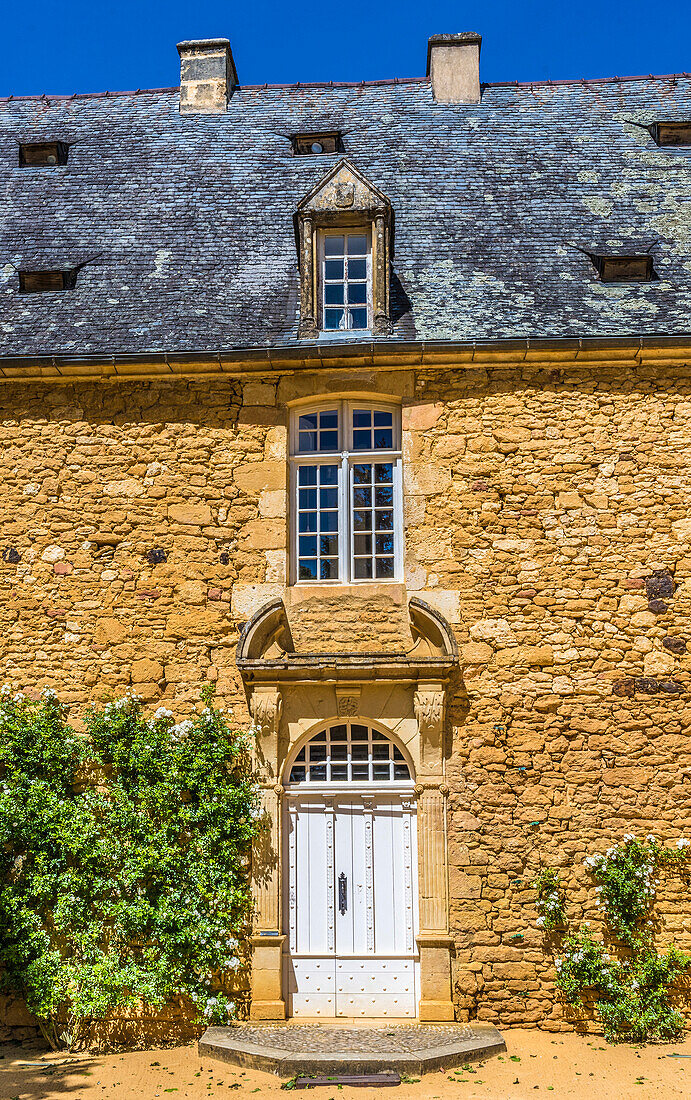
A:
x: 312, y: 145
x: 624, y: 269
x: 345, y: 230
x: 346, y: 280
x: 46, y: 154
x: 34, y: 282
x: 672, y: 133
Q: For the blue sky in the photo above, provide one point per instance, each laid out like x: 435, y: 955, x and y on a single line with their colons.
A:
x: 65, y: 46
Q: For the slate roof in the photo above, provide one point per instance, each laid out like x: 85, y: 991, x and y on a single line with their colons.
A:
x: 187, y: 222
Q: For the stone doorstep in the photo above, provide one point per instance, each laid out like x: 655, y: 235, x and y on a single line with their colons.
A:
x: 224, y: 1044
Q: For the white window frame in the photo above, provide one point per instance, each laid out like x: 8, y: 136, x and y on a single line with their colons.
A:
x: 344, y: 231
x: 345, y: 457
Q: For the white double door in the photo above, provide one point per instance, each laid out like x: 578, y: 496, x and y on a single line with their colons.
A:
x: 351, y: 904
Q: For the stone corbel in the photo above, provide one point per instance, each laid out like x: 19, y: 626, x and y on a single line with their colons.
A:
x: 266, y: 706
x: 430, y: 708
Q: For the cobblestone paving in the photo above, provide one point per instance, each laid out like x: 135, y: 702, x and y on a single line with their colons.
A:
x: 316, y: 1039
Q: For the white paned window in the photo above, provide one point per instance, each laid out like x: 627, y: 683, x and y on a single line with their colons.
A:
x: 349, y: 753
x: 346, y: 279
x: 346, y: 493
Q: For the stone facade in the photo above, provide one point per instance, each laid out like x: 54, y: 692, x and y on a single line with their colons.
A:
x: 144, y: 522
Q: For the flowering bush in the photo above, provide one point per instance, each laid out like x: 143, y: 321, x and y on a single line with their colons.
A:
x: 632, y: 991
x: 124, y: 860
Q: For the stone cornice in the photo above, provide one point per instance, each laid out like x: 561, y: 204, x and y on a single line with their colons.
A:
x: 348, y: 668
x: 586, y: 354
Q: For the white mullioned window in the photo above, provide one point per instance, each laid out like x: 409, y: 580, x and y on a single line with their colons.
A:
x: 346, y: 492
x: 346, y: 280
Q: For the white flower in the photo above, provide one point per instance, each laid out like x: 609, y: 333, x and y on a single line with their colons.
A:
x: 683, y: 842
x: 540, y: 922
x: 163, y: 712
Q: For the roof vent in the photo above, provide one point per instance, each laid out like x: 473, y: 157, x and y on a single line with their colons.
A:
x: 34, y: 282
x: 310, y: 145
x: 671, y: 133
x: 207, y: 76
x: 44, y: 154
x: 624, y: 269
x: 453, y: 66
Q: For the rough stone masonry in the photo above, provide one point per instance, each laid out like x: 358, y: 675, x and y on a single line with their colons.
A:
x: 546, y: 517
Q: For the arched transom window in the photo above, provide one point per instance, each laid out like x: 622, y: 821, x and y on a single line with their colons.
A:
x: 349, y: 753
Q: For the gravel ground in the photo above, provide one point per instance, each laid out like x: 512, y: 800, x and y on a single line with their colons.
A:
x: 536, y: 1063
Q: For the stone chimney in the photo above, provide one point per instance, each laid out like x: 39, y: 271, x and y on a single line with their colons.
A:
x: 207, y: 76
x: 453, y: 64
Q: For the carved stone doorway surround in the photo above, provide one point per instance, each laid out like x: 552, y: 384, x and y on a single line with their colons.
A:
x: 291, y: 695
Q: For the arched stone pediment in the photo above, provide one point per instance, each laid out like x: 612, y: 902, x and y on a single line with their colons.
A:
x: 344, y: 189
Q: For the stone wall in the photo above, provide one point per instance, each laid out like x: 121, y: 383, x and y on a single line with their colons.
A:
x: 546, y: 518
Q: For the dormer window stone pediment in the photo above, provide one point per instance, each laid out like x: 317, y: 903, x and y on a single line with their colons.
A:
x: 344, y: 198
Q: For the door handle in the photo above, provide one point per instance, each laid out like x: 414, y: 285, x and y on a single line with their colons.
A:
x: 342, y: 893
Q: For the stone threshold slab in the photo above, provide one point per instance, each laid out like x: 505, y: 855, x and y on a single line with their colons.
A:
x: 291, y: 1050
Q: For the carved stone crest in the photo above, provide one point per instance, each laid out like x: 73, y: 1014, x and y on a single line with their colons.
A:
x: 429, y: 710
x: 347, y: 702
x: 266, y: 708
x: 345, y: 194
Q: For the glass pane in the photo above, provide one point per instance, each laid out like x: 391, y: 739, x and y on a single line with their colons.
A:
x: 333, y: 270
x: 339, y: 752
x: 307, y: 421
x: 397, y: 754
x: 362, y: 568
x: 383, y: 472
x: 300, y: 758
x: 334, y: 318
x: 401, y: 771
x: 362, y: 544
x: 359, y: 733
x: 385, y: 570
x: 328, y: 569
x: 357, y: 270
x: 317, y: 752
x: 329, y: 521
x: 360, y: 773
x: 362, y: 439
x: 328, y: 441
x: 383, y: 521
x: 339, y: 733
x: 383, y: 439
x: 362, y: 418
x: 328, y: 545
x: 383, y: 419
x: 328, y: 497
x: 307, y: 475
x: 308, y: 570
x: 307, y: 441
x: 307, y: 546
x: 329, y: 475
x: 307, y: 522
x: 307, y: 498
x: 318, y: 773
x: 359, y: 752
x: 339, y: 773
x: 357, y: 245
x: 333, y: 246
x: 362, y: 473
x: 380, y: 751
x: 381, y: 771
x: 333, y: 294
x: 357, y: 293
x: 297, y: 775
x: 329, y: 419
x: 320, y: 736
x: 362, y: 496
x: 384, y: 544
x: 362, y: 521
x: 358, y: 318
x: 383, y: 497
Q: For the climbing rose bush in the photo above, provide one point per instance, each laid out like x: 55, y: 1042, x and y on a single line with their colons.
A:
x: 124, y: 858
x: 633, y: 986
